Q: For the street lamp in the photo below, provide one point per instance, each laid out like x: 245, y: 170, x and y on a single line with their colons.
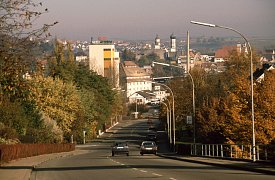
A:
x: 136, y: 113
x: 193, y: 96
x: 193, y: 92
x: 251, y: 78
x: 167, y: 115
x: 169, y: 122
x: 173, y: 107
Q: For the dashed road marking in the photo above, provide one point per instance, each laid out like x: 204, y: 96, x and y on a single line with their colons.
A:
x: 157, y: 174
x: 172, y: 179
x: 143, y: 171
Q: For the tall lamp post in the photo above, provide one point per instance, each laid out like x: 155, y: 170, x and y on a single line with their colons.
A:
x: 168, y: 106
x: 174, y: 122
x: 193, y: 92
x: 251, y: 78
x: 173, y: 107
x: 136, y: 113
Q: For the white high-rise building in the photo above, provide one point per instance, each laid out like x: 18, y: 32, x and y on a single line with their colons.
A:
x: 104, y: 60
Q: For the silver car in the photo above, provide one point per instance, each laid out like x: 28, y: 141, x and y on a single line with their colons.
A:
x: 120, y: 148
x: 148, y: 147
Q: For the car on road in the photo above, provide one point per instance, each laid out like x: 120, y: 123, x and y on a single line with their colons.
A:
x: 120, y: 148
x: 152, y: 128
x: 148, y: 147
x: 151, y: 137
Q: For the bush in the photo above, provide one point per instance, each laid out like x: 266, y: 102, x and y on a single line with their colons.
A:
x: 8, y: 135
x: 11, y: 152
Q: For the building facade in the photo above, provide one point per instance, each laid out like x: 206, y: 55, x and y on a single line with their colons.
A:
x: 104, y: 60
x: 135, y: 78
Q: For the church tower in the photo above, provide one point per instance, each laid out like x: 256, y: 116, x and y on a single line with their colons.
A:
x: 157, y: 42
x: 173, y: 43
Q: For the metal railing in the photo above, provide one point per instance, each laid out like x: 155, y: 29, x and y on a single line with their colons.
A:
x: 233, y: 151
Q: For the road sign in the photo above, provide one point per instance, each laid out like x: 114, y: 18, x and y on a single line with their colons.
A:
x: 189, y: 120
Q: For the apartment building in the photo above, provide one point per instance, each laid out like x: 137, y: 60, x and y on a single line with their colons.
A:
x: 104, y: 60
x: 134, y: 78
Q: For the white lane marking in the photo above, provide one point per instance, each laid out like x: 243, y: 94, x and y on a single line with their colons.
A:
x: 122, y: 164
x: 143, y: 171
x: 157, y: 174
x: 135, y: 169
x: 172, y: 179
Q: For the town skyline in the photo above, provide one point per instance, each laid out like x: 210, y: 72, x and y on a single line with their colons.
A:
x: 143, y: 19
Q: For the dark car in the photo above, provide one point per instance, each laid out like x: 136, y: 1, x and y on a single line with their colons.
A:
x: 148, y: 147
x: 152, y: 128
x: 152, y: 137
x: 120, y: 148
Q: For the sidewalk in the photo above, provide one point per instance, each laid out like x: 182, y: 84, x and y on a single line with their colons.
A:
x: 259, y: 167
x: 21, y: 169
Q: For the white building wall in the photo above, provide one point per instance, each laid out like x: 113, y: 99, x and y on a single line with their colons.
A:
x: 133, y: 87
x: 218, y: 60
x: 116, y: 69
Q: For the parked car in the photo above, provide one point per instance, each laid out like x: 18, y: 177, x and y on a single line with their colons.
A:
x: 120, y: 148
x: 151, y: 137
x: 148, y: 147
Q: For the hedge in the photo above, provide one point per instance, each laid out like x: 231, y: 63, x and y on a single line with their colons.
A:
x: 16, y: 151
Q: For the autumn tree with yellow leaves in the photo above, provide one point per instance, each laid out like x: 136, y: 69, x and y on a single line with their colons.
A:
x: 223, y: 103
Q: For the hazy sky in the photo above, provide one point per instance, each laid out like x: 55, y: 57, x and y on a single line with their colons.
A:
x: 143, y: 19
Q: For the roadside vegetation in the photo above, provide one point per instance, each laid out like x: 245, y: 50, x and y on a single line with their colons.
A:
x: 223, y: 104
x: 46, y: 97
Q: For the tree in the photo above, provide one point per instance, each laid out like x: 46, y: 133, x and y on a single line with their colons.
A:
x: 147, y: 59
x: 17, y: 39
x: 223, y: 103
x: 265, y: 108
x: 128, y: 55
x: 57, y: 100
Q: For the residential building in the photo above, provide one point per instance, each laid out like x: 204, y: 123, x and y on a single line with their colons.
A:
x: 259, y: 73
x: 222, y: 54
x: 159, y: 92
x: 269, y: 55
x: 104, y: 60
x: 142, y: 97
x: 81, y: 57
x: 134, y: 78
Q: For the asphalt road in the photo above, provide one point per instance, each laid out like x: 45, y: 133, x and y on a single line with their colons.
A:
x: 99, y: 164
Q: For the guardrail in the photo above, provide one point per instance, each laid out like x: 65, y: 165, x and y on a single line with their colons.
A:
x: 264, y: 152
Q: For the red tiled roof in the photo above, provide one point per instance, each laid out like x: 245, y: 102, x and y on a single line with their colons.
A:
x: 224, y: 52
